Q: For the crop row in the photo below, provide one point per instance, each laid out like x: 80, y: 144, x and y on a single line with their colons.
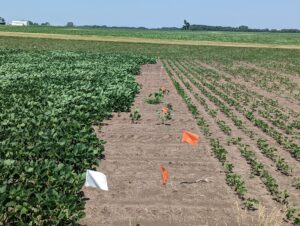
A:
x: 270, y: 182
x: 232, y: 179
x: 281, y: 165
x: 267, y: 108
x: 289, y: 145
x: 227, y: 111
x: 240, y: 97
x: 269, y: 81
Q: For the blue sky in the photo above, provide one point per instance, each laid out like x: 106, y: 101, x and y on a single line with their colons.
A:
x: 157, y: 13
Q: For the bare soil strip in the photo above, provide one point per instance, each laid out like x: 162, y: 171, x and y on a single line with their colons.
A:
x: 145, y: 40
x: 134, y: 154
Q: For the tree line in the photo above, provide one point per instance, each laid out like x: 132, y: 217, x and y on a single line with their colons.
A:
x: 186, y: 27
x: 243, y: 28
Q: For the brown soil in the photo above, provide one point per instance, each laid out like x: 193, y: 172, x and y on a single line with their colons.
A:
x: 134, y: 154
x: 145, y: 40
x: 293, y: 78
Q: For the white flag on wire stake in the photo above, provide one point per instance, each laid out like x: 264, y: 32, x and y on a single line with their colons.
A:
x: 96, y: 179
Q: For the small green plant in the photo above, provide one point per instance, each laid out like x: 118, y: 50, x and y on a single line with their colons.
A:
x: 282, y: 197
x: 135, y: 115
x: 228, y: 167
x: 204, y: 126
x: 296, y: 124
x: 297, y: 220
x: 236, y: 181
x: 166, y: 113
x: 283, y: 166
x: 234, y: 141
x: 213, y: 113
x: 290, y: 212
x: 225, y: 128
x: 251, y: 204
x: 257, y: 168
x: 296, y: 183
x: 155, y: 98
x: 219, y: 151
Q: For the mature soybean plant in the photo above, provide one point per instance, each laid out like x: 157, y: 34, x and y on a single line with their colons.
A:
x: 48, y: 103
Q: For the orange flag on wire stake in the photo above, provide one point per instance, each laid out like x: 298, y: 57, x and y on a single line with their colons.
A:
x: 165, y: 110
x: 164, y: 174
x: 189, y: 137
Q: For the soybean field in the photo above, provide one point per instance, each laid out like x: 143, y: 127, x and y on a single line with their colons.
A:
x: 49, y: 102
x: 58, y: 96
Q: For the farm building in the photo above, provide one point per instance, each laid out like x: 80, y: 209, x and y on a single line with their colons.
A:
x: 20, y: 23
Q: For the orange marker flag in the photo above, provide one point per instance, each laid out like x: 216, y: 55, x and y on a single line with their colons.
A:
x: 165, y: 175
x: 189, y: 137
x: 165, y: 110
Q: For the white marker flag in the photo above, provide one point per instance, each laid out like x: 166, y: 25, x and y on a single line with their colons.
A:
x: 96, y: 180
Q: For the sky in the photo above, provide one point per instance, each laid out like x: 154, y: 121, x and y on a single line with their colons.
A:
x: 156, y: 13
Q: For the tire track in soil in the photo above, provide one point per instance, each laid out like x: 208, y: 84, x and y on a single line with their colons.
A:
x: 136, y: 194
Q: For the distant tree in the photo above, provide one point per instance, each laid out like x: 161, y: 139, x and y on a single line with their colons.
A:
x: 186, y: 25
x: 2, y: 21
x: 45, y: 24
x: 243, y: 28
x: 30, y: 23
x: 70, y: 24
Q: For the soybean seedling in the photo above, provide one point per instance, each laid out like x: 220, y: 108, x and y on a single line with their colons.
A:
x: 166, y: 113
x: 135, y: 115
x: 157, y: 97
x: 251, y: 204
x: 296, y: 183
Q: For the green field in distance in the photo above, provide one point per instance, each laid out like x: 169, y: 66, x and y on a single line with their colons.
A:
x: 237, y: 37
